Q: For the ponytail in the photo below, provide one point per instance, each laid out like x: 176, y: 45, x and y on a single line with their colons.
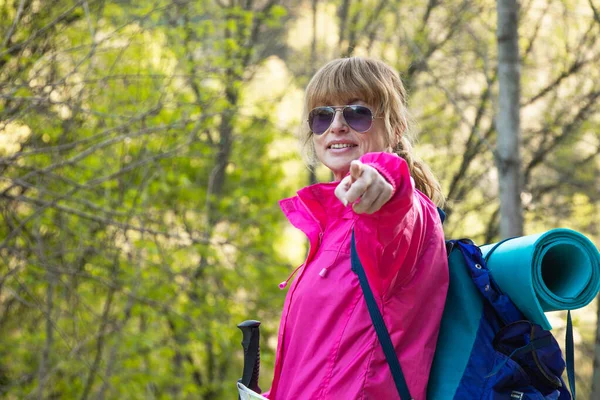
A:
x: 425, y: 180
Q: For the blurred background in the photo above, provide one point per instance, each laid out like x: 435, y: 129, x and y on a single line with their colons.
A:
x: 144, y: 146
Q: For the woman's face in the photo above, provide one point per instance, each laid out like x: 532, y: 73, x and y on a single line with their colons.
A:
x: 339, y: 145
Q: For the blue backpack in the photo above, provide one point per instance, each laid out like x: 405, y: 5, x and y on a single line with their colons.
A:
x: 487, y: 349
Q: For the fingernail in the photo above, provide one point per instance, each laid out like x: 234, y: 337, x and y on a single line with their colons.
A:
x: 345, y: 203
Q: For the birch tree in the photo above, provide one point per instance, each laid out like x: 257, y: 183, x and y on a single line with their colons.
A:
x: 508, y: 158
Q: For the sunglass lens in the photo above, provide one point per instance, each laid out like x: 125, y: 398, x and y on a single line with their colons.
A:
x: 358, y: 117
x: 320, y: 118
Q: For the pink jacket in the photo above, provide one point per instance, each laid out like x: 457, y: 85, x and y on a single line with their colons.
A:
x: 327, y: 347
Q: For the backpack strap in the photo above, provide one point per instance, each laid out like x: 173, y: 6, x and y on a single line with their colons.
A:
x: 442, y: 214
x: 380, y: 328
x: 570, y: 356
x: 485, y: 283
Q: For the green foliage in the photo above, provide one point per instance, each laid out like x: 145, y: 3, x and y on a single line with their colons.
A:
x: 126, y: 268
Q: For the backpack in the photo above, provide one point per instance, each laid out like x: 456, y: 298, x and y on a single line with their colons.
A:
x: 486, y: 349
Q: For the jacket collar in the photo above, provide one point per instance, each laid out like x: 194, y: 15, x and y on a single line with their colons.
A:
x: 314, y: 206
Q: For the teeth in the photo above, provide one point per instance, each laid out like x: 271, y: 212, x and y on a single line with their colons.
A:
x: 341, y: 145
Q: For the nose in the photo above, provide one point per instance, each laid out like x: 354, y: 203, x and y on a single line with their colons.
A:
x: 339, y: 125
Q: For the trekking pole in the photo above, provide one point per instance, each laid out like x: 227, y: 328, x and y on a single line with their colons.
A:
x: 250, y: 343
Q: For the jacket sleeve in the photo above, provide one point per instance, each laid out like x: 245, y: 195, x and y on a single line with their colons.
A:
x: 389, y: 241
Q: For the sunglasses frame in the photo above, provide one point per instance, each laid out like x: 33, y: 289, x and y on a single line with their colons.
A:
x: 342, y: 109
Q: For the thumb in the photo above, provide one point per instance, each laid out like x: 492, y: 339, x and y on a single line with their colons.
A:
x: 342, y: 189
x: 356, y: 170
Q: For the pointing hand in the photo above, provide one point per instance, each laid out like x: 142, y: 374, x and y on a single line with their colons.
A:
x: 365, y: 188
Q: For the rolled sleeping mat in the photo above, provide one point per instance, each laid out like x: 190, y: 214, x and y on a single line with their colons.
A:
x: 551, y: 271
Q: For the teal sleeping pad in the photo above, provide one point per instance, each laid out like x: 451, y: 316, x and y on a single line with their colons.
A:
x: 551, y: 271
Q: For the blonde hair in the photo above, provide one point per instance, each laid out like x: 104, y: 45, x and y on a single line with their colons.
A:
x: 377, y: 84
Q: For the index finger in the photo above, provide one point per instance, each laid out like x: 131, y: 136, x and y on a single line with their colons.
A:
x: 356, y: 170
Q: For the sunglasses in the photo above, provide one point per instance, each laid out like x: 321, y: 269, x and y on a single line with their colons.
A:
x: 359, y: 118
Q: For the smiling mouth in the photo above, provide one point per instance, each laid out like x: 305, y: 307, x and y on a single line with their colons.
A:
x: 341, y: 146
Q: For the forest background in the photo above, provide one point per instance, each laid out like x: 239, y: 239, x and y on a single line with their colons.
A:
x: 144, y: 146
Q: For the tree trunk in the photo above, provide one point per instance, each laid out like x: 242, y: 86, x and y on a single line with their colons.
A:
x: 312, y: 175
x: 343, y: 16
x: 508, y: 158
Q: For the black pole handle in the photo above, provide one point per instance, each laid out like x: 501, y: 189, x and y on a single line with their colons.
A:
x: 251, y: 345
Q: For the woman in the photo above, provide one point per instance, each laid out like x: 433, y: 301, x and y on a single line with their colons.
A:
x: 328, y: 348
